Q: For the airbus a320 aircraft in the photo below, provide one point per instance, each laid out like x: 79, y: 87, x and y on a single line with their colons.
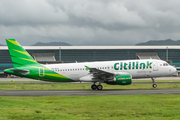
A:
x: 110, y: 72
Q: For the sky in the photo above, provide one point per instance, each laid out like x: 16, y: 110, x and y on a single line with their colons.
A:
x: 89, y: 22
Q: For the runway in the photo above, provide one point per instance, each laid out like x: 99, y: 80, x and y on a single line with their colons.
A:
x: 87, y: 92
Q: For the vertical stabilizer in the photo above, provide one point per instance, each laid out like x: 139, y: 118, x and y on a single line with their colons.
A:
x: 20, y: 57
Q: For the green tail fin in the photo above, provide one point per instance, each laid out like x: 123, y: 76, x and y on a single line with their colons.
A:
x: 19, y: 56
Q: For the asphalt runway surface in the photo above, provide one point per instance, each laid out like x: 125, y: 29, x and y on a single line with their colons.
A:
x: 87, y: 92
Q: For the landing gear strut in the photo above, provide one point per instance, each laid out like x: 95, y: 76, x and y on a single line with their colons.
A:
x: 154, y: 85
x: 98, y: 87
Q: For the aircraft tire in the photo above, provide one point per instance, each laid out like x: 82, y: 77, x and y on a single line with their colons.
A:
x: 93, y: 87
x: 154, y: 85
x: 99, y: 87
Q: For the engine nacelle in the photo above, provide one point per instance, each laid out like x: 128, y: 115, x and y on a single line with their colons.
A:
x: 125, y: 79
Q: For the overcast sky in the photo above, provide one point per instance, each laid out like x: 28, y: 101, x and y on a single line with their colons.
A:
x: 89, y: 22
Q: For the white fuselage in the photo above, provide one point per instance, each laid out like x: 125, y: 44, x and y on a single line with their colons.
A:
x: 136, y: 68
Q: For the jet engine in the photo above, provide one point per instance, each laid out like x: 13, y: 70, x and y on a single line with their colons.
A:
x: 125, y: 79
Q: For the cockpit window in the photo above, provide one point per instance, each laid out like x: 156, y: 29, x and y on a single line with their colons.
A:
x: 165, y: 64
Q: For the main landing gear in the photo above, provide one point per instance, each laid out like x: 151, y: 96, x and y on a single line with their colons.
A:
x: 98, y: 87
x: 154, y: 85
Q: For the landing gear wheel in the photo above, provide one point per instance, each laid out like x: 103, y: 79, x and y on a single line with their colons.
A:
x: 99, y: 87
x: 93, y: 87
x: 154, y: 85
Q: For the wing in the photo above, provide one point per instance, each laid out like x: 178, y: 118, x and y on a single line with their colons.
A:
x: 100, y: 75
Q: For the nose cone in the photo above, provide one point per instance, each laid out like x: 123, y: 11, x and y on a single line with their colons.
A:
x: 173, y: 70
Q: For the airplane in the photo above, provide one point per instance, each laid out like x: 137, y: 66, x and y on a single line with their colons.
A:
x: 119, y: 72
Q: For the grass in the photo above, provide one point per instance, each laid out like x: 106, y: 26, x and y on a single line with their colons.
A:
x: 123, y: 107
x: 21, y: 82
x: 132, y: 107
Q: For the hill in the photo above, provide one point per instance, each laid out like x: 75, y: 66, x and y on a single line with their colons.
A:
x: 159, y: 42
x: 51, y: 44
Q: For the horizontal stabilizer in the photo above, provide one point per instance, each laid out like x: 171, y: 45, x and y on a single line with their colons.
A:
x: 20, y: 71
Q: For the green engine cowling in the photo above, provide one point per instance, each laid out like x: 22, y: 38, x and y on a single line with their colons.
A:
x: 121, y: 80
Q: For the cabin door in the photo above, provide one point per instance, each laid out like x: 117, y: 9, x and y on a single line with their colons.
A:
x: 155, y: 66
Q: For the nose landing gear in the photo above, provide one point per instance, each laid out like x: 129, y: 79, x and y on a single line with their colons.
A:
x: 154, y: 85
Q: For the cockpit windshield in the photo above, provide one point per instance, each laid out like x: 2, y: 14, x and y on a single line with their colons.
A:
x: 165, y: 64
